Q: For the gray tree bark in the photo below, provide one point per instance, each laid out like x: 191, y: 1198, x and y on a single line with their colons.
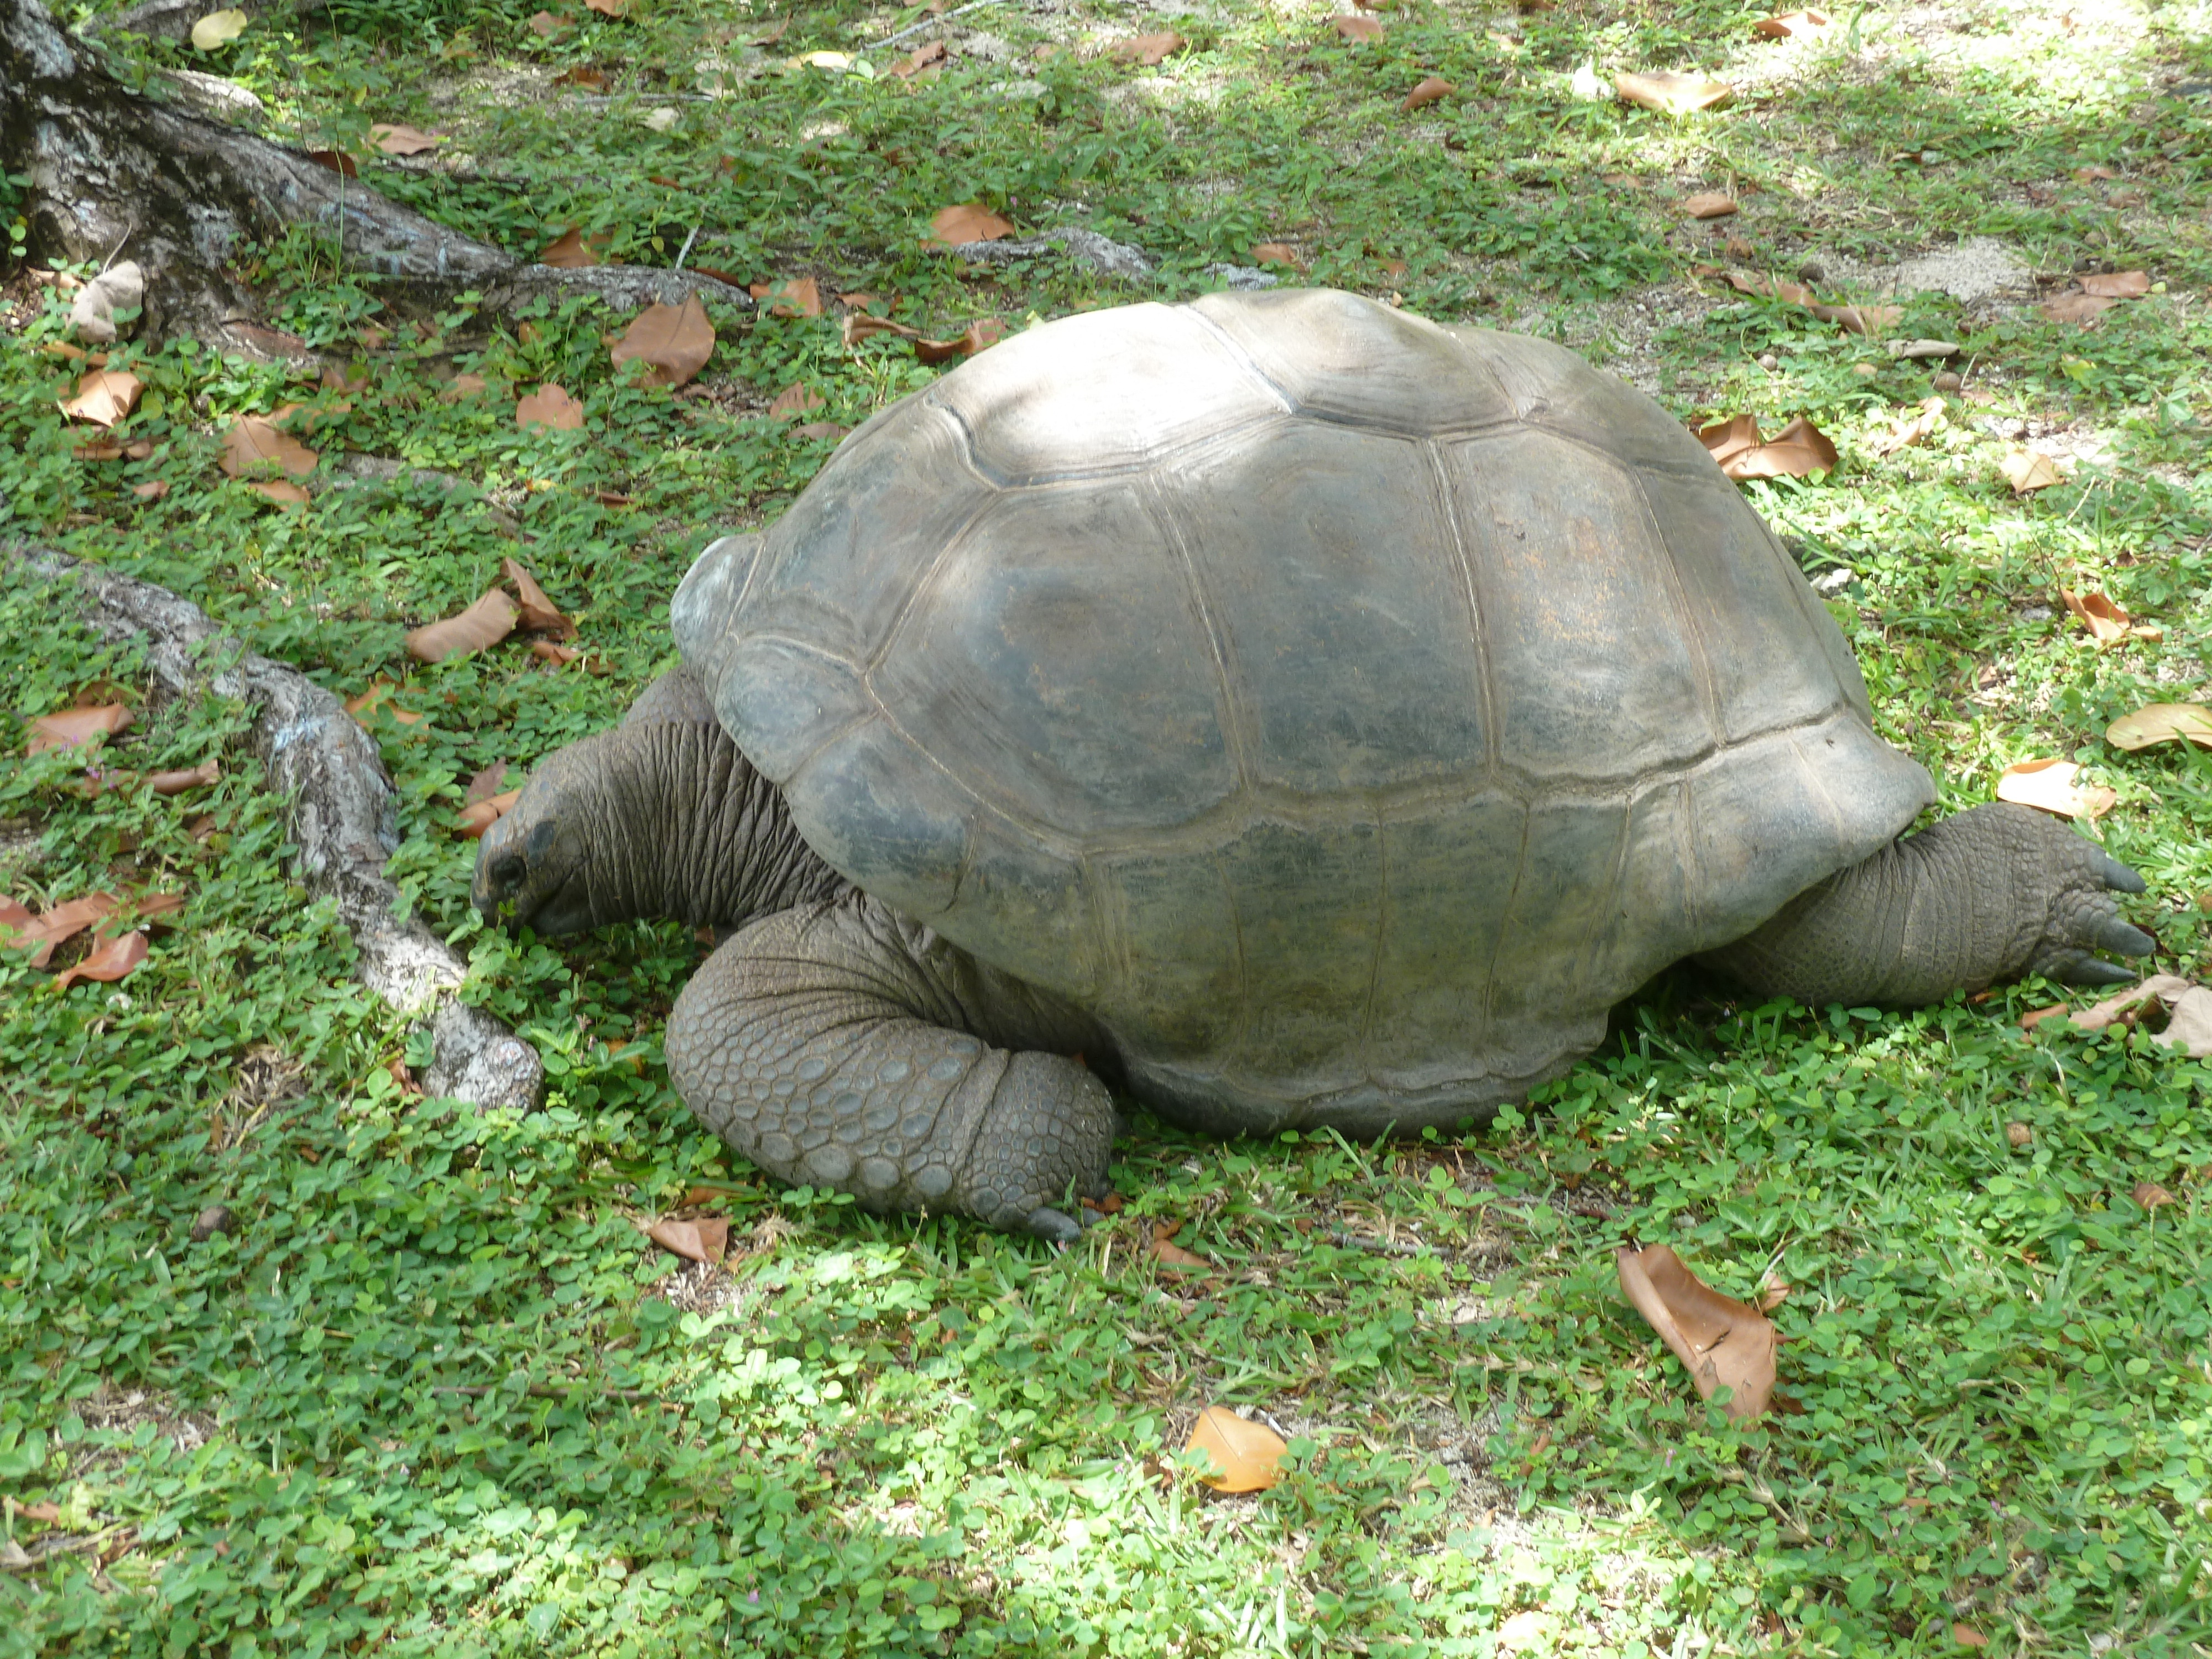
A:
x: 344, y: 816
x: 115, y: 175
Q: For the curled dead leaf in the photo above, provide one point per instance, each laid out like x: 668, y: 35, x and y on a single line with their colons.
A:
x: 184, y: 780
x: 1245, y: 1455
x: 107, y: 963
x: 485, y: 784
x: 337, y: 160
x: 922, y: 58
x: 858, y: 325
x: 152, y: 490
x: 984, y: 333
x: 2187, y: 1006
x: 675, y: 341
x: 1790, y: 24
x: 279, y: 491
x: 550, y: 406
x: 706, y: 1240
x: 1168, y: 1254
x: 478, y: 816
x: 534, y: 612
x: 2028, y: 471
x: 483, y: 624
x: 1145, y: 50
x: 104, y: 397
x: 559, y: 656
x: 1277, y: 253
x: 1907, y: 430
x: 395, y: 139
x: 2052, y: 785
x: 1966, y: 1636
x: 2150, y: 1195
x: 799, y: 296
x: 1356, y: 29
x: 76, y: 728
x: 2117, y: 285
x: 608, y: 7
x: 543, y: 24
x: 1798, y: 451
x: 2107, y: 624
x: 2162, y: 722
x: 1671, y: 93
x: 363, y: 706
x: 1722, y: 1342
x: 1710, y: 204
x: 967, y: 222
x: 570, y: 250
x: 1430, y: 89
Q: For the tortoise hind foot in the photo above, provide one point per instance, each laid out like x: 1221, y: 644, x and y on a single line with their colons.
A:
x: 817, y: 1043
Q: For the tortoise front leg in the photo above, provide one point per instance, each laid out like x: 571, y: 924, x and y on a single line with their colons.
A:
x: 835, y: 1046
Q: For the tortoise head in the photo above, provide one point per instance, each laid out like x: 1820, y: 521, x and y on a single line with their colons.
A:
x: 544, y: 863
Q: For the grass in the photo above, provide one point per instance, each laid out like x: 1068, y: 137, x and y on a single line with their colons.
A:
x: 434, y: 1393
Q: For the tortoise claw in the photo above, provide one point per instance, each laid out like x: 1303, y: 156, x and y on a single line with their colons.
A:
x: 1060, y: 1228
x: 2117, y: 936
x: 2080, y: 968
x: 2117, y: 877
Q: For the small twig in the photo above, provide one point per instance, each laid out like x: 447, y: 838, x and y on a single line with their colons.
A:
x: 942, y: 17
x: 688, y: 241
x: 541, y: 1391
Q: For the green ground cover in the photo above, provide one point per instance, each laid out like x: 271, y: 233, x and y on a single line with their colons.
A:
x: 436, y: 1393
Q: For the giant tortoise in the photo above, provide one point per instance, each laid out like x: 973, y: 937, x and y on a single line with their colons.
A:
x: 1290, y: 710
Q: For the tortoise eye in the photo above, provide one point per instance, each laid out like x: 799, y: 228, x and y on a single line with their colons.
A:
x: 508, y: 870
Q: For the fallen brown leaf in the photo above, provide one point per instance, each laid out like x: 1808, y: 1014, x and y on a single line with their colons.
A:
x: 1968, y: 1637
x: 152, y: 490
x: 2027, y: 470
x: 337, y: 160
x: 2117, y: 285
x: 675, y: 341
x: 570, y: 251
x: 1277, y: 253
x: 608, y: 7
x: 279, y: 491
x: 1432, y: 89
x: 1357, y: 29
x: 703, y: 1240
x: 1245, y: 1455
x: 795, y: 399
x: 2150, y: 1195
x: 1147, y: 51
x: 483, y: 624
x: 967, y: 222
x: 463, y: 386
x: 584, y: 75
x: 104, y: 397
x: 379, y: 697
x: 2051, y: 785
x: 255, y: 443
x: 1168, y: 1254
x: 485, y: 784
x: 858, y: 325
x: 2188, y: 1006
x: 2082, y: 308
x: 394, y: 139
x: 109, y: 962
x: 1790, y: 23
x: 1907, y: 430
x: 801, y: 296
x: 184, y: 780
x: 986, y: 332
x: 1710, y: 204
x: 920, y: 59
x: 74, y: 728
x: 550, y: 406
x: 2035, y: 1016
x: 1722, y: 1342
x: 1671, y: 93
x: 1799, y: 450
x: 536, y: 612
x: 2162, y: 722
x: 40, y: 935
x: 559, y: 655
x: 543, y: 24
x: 2107, y: 624
x: 479, y: 815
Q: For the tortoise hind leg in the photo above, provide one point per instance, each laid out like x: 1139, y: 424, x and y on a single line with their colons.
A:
x: 835, y: 1046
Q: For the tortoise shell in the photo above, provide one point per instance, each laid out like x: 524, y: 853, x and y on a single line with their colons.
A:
x: 1346, y: 710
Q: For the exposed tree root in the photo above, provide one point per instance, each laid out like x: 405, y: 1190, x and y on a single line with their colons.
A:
x: 113, y: 174
x: 344, y: 817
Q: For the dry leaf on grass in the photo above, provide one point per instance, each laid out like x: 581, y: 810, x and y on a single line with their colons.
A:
x: 2150, y: 1195
x: 1790, y: 23
x: 394, y: 139
x: 1907, y: 430
x: 255, y: 443
x: 704, y: 1240
x: 1168, y: 1254
x: 920, y: 59
x: 986, y: 332
x: 1858, y: 319
x: 1722, y: 1342
x: 967, y: 222
x: 1671, y: 93
x: 1798, y: 451
x: 2106, y: 622
x: 485, y: 784
x: 1710, y: 204
x: 479, y: 815
x: 2162, y: 722
x: 2188, y: 1008
x: 675, y: 341
x: 559, y: 655
x: 2082, y: 308
x: 2117, y: 285
x: 2027, y: 471
x: 1432, y: 89
x: 483, y: 624
x: 1147, y: 51
x: 1277, y: 253
x: 588, y: 76
x: 107, y: 963
x: 794, y: 400
x: 217, y: 27
x: 550, y: 406
x: 570, y: 251
x: 74, y: 728
x: 1353, y: 28
x: 608, y: 7
x: 1968, y: 1637
x: 536, y: 612
x: 104, y: 397
x: 40, y: 935
x: 1245, y: 1455
x: 858, y: 325
x: 279, y: 491
x: 364, y: 706
x: 2052, y: 786
x: 184, y: 780
x: 799, y: 296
